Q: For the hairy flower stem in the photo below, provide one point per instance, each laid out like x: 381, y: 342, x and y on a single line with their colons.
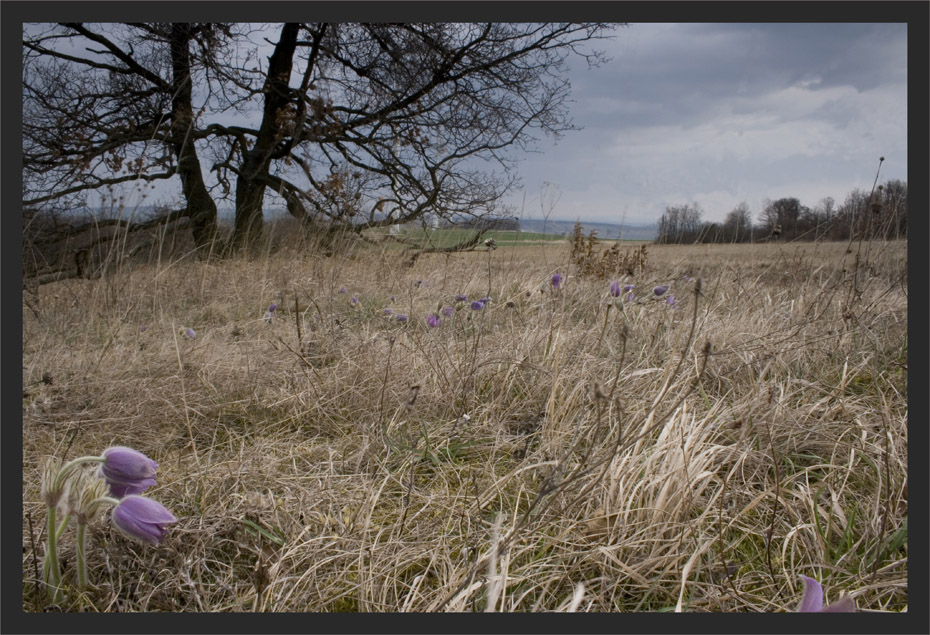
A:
x: 52, y: 566
x: 597, y: 350
x: 81, y: 558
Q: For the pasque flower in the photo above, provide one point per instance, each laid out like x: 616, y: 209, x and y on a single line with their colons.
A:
x: 812, y: 601
x: 461, y: 297
x: 191, y: 333
x: 127, y: 471
x: 401, y: 317
x: 448, y: 311
x: 615, y: 289
x: 477, y: 305
x: 142, y: 519
x: 661, y: 289
x: 433, y: 320
x: 557, y: 280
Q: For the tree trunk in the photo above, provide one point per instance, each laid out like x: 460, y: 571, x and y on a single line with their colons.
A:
x: 200, y: 205
x: 253, y: 175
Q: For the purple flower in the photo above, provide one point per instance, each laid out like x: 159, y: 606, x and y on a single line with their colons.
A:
x: 686, y: 278
x: 389, y: 311
x: 433, y: 320
x: 477, y: 305
x: 142, y: 519
x: 393, y: 298
x: 812, y: 602
x: 671, y: 301
x: 448, y: 311
x: 629, y: 297
x: 461, y: 298
x: 615, y: 290
x: 484, y: 300
x: 127, y: 471
x: 191, y: 333
x: 661, y: 289
x: 354, y: 301
x: 143, y: 328
x: 557, y: 280
x: 628, y: 287
x: 342, y: 290
x: 401, y: 317
x: 273, y: 308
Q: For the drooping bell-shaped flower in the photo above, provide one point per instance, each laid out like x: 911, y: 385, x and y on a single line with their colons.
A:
x: 142, y: 519
x: 812, y: 601
x: 661, y: 289
x: 191, y: 333
x: 401, y: 317
x: 448, y: 311
x: 127, y: 471
x: 433, y: 320
x: 477, y: 305
x: 557, y: 280
x: 461, y: 297
x: 615, y: 289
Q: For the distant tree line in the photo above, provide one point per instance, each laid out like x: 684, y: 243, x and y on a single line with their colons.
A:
x: 879, y: 215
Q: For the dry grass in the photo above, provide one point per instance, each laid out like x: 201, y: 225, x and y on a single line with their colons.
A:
x: 336, y: 460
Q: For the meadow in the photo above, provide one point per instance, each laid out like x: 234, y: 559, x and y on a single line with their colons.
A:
x: 556, y: 449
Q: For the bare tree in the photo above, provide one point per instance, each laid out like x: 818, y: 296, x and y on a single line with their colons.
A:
x: 737, y: 226
x: 360, y: 125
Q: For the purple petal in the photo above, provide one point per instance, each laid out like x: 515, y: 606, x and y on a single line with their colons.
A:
x: 121, y: 490
x: 812, y: 601
x: 142, y: 518
x: 124, y: 464
x: 844, y: 605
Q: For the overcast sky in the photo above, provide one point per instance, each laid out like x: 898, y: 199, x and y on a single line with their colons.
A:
x: 722, y: 113
x: 717, y: 114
